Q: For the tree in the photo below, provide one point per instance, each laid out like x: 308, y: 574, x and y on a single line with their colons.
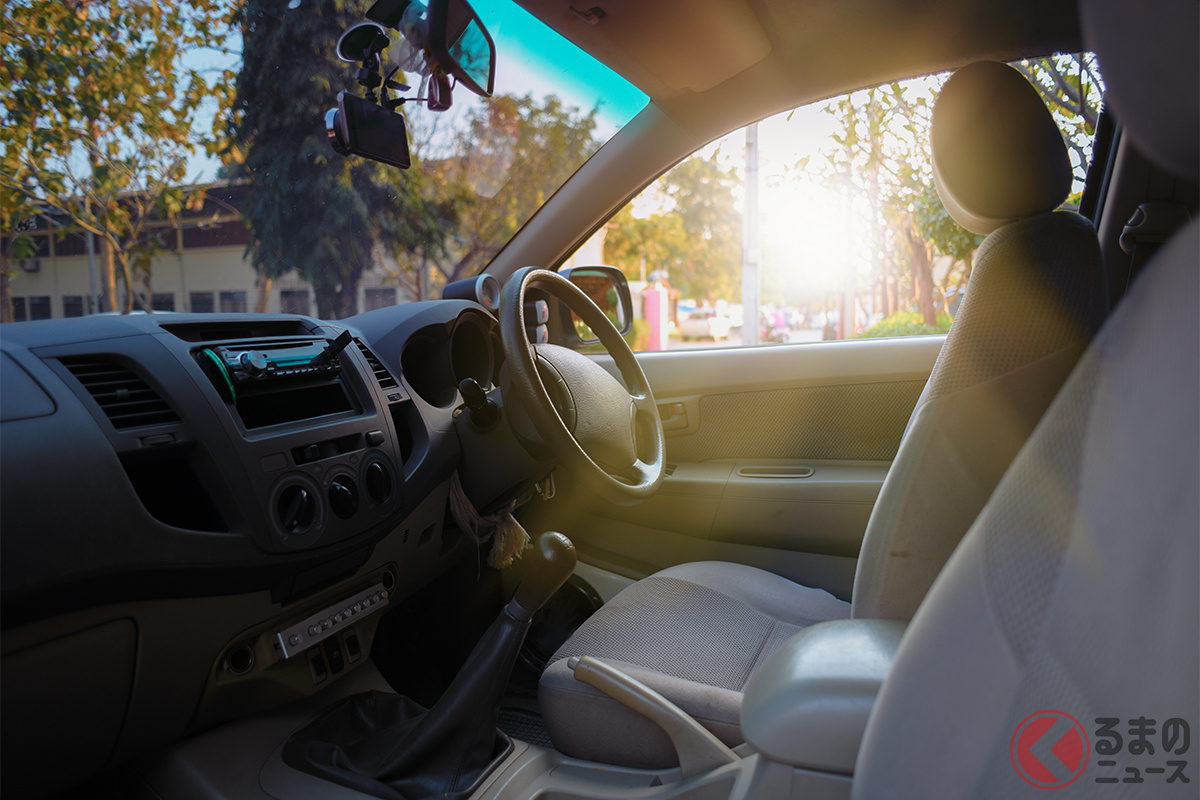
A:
x: 882, y: 154
x: 102, y: 117
x: 1071, y: 86
x: 510, y: 156
x: 695, y: 238
x: 640, y: 246
x: 310, y: 210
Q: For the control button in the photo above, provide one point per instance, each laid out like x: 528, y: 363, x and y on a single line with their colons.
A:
x: 357, y: 607
x: 343, y: 497
x: 394, y: 397
x: 353, y: 651
x: 375, y: 438
x: 337, y: 618
x: 333, y: 652
x: 296, y: 509
x: 294, y: 639
x: 325, y: 624
x: 383, y: 593
x: 312, y: 453
x: 313, y: 630
x: 378, y: 482
x: 316, y: 665
x: 254, y: 362
x: 156, y: 440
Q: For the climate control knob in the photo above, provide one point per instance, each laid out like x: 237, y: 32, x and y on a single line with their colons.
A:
x: 296, y: 509
x: 343, y: 497
x: 378, y: 482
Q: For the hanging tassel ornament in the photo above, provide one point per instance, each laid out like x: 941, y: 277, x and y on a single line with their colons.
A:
x: 508, y: 538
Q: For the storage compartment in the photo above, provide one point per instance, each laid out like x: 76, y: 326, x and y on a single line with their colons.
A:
x: 61, y: 721
x: 807, y: 706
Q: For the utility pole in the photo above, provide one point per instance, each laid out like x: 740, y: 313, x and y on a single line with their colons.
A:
x: 93, y: 277
x: 750, y: 252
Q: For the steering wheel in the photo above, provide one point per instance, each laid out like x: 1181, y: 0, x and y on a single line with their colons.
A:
x: 608, y: 435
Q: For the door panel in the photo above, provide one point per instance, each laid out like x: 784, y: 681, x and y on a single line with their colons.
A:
x: 776, y: 455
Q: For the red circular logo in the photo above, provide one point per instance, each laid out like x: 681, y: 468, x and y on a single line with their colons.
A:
x: 1049, y: 749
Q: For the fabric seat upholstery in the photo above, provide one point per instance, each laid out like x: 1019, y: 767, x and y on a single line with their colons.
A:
x: 696, y: 632
x: 1035, y: 299
x: 1078, y: 589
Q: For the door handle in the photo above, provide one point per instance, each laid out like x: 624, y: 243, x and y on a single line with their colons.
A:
x: 674, y: 416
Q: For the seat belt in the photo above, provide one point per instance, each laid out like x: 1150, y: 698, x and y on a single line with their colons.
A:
x: 1151, y: 224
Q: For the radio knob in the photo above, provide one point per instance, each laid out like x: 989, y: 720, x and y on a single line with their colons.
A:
x: 254, y: 362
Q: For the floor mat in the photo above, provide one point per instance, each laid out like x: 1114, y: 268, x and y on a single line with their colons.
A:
x: 524, y: 725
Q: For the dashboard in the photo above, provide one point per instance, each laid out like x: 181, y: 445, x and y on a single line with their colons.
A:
x: 202, y: 513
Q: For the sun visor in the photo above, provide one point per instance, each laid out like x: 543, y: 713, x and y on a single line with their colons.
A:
x: 681, y: 45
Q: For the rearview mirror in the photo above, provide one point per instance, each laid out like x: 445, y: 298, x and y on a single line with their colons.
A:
x: 608, y: 288
x: 461, y: 45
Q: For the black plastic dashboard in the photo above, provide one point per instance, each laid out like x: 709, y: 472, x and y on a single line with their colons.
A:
x: 202, y: 513
x: 132, y: 468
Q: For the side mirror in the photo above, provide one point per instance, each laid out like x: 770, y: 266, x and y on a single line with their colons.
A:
x: 609, y: 289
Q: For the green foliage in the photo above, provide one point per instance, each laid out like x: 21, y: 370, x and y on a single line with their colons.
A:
x: 882, y: 155
x: 696, y: 239
x: 906, y: 323
x: 937, y: 226
x: 102, y: 112
x: 310, y: 210
x: 637, y: 338
x: 1071, y: 85
x: 513, y: 153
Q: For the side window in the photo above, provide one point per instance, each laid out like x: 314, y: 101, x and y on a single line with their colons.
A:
x: 849, y: 239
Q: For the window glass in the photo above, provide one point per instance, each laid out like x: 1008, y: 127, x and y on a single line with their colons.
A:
x: 233, y: 302
x: 852, y: 239
x: 201, y: 302
x: 294, y: 301
x: 379, y: 297
x: 72, y: 305
x: 39, y: 307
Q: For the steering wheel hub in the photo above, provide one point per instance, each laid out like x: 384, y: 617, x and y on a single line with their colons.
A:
x: 608, y: 433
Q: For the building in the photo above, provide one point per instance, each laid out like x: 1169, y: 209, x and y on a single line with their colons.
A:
x: 203, y: 267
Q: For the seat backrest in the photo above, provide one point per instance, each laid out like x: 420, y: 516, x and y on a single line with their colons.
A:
x: 1067, y: 625
x: 1035, y: 298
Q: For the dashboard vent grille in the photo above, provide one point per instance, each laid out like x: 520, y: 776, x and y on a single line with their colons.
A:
x: 385, y: 379
x: 126, y: 399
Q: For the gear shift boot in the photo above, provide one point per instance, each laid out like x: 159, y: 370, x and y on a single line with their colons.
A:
x: 388, y: 746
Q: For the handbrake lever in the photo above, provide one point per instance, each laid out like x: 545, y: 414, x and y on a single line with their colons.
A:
x: 698, y: 750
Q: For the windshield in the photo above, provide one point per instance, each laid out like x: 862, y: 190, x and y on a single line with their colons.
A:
x: 173, y: 157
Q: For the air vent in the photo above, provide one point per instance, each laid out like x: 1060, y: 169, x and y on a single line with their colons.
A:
x: 124, y: 397
x: 385, y: 379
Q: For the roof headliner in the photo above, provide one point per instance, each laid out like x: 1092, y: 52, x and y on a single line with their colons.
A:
x: 706, y: 63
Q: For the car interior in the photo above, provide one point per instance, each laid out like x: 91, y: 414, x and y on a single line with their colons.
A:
x: 444, y: 549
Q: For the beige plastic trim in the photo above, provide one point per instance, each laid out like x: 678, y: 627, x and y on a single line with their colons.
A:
x: 699, y: 751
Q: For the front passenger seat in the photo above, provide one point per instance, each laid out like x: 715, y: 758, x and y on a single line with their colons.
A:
x: 697, y: 632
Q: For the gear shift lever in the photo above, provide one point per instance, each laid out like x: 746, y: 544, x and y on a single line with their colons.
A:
x: 382, y: 743
x: 553, y: 562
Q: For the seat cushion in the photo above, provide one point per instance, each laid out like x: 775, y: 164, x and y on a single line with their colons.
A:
x: 695, y: 633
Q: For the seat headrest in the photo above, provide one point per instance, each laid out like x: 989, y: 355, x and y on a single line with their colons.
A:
x: 997, y: 154
x: 1150, y: 58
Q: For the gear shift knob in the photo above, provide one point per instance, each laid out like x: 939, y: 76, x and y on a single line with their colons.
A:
x: 548, y: 567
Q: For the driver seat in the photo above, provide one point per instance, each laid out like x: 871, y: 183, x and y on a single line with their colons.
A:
x: 697, y: 632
